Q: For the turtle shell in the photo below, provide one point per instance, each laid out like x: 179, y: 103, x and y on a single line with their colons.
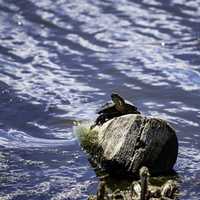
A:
x: 109, y: 107
x: 130, y: 109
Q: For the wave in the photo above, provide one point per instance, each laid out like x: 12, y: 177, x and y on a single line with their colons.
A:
x: 18, y: 139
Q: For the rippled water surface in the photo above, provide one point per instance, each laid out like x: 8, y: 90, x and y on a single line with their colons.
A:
x: 59, y: 60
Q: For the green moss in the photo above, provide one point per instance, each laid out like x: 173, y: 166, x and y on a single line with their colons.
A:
x: 88, y: 137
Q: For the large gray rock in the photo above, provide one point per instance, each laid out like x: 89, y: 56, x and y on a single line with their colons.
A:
x: 126, y: 143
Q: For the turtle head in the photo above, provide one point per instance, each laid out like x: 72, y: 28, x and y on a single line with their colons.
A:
x: 118, y: 100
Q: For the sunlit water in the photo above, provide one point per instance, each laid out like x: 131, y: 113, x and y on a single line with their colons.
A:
x: 60, y: 60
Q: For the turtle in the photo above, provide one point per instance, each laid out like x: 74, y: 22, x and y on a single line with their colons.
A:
x: 117, y: 107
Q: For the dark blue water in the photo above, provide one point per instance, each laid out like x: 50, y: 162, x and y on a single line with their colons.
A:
x: 59, y: 60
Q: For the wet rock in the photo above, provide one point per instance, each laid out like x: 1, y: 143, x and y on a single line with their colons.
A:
x: 132, y: 141
x: 126, y: 143
x: 141, y: 189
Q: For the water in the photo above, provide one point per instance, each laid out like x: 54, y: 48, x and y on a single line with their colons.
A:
x: 59, y: 60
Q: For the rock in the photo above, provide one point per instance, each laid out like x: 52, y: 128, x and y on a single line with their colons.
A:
x: 141, y: 189
x: 126, y: 143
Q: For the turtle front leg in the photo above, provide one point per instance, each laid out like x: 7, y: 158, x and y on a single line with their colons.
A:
x: 99, y: 121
